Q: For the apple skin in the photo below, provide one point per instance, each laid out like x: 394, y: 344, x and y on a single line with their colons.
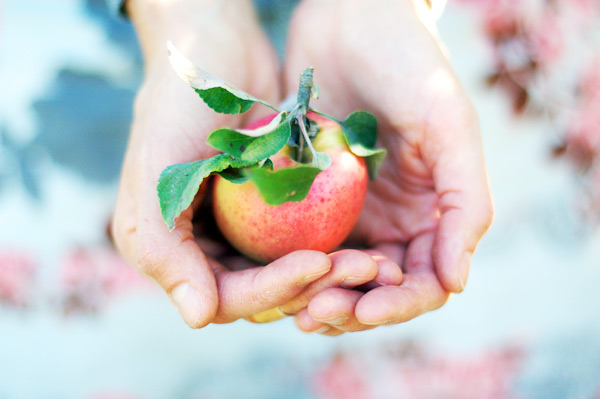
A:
x: 320, y: 222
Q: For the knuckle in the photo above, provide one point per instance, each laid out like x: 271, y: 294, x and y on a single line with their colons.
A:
x: 459, y: 115
x: 490, y: 214
x: 352, y: 261
x: 268, y: 295
x: 140, y: 102
x: 440, y: 300
x: 117, y: 232
x: 466, y: 113
x: 265, y: 292
x: 487, y: 216
x: 122, y: 237
x: 451, y: 199
x: 150, y: 259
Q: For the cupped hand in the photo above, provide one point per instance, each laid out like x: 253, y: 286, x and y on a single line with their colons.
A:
x: 170, y: 126
x: 430, y: 204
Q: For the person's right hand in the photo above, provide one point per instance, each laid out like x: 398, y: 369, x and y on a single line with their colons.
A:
x: 170, y: 126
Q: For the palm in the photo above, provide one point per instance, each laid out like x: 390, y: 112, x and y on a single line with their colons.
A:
x: 402, y: 201
x: 429, y: 205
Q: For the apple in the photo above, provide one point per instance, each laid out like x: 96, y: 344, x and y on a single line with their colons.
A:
x: 319, y: 222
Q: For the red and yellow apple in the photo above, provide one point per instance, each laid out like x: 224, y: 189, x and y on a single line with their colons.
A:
x: 319, y: 222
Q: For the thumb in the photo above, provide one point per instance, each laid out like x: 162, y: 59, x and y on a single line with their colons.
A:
x: 176, y: 263
x: 173, y: 259
x: 465, y: 202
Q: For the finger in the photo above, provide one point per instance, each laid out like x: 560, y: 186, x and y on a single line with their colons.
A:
x: 246, y: 292
x: 388, y: 272
x: 123, y: 223
x: 306, y: 323
x: 349, y: 268
x: 420, y: 291
x: 175, y: 261
x: 172, y: 259
x: 335, y: 307
x: 465, y: 203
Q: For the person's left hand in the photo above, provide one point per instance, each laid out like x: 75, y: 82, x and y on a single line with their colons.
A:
x: 430, y: 204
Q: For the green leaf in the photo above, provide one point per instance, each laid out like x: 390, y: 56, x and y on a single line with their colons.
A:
x: 360, y: 132
x: 250, y: 149
x: 268, y: 128
x: 178, y: 184
x: 216, y: 93
x: 223, y: 101
x: 283, y: 185
x: 233, y: 175
x: 360, y: 129
x: 374, y: 159
x: 267, y: 164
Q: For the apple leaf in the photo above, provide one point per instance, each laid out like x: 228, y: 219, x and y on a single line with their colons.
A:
x: 283, y: 185
x: 267, y: 163
x: 216, y: 93
x: 374, y: 158
x: 223, y: 101
x: 360, y: 132
x: 178, y: 184
x: 250, y: 149
x: 268, y: 128
x: 236, y: 175
x: 360, y: 128
x: 233, y: 175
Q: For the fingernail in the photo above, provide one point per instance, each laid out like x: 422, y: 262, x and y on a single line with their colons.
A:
x: 378, y: 323
x: 333, y: 320
x: 323, y: 330
x: 351, y: 282
x: 463, y: 271
x: 311, y: 277
x: 285, y: 313
x: 187, y: 300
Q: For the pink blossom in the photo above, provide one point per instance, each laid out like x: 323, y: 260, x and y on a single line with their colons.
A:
x: 417, y: 374
x: 590, y: 83
x: 546, y: 38
x: 584, y: 132
x: 583, y: 136
x: 90, y: 276
x: 488, y: 375
x: 17, y: 273
x: 582, y: 14
x: 502, y: 18
x: 341, y: 378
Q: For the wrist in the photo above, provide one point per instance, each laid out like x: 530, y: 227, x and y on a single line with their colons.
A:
x: 184, y: 22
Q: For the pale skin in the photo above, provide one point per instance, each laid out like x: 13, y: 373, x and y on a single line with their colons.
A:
x: 441, y: 173
x: 170, y: 126
x: 431, y: 203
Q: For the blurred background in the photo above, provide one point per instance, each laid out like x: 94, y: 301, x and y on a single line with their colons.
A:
x: 76, y: 322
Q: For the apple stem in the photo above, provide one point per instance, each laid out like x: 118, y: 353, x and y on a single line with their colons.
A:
x: 300, y: 147
x: 305, y: 89
x: 323, y: 114
x: 306, y: 138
